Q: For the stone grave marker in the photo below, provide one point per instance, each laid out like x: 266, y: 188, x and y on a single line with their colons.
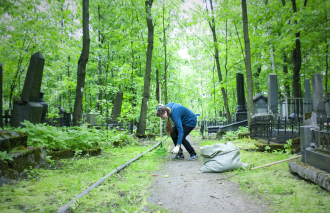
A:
x: 260, y: 104
x: 272, y: 93
x: 241, y: 113
x: 29, y: 108
x: 116, y: 109
x: 317, y: 86
x: 91, y: 119
x: 307, y: 97
x: 327, y: 103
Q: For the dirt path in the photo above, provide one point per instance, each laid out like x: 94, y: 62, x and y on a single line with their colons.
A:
x: 179, y: 188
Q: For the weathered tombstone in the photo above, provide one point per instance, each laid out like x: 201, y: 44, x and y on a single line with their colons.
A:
x: 116, y: 109
x: 241, y: 113
x: 272, y: 93
x: 45, y: 106
x: 260, y: 104
x: 29, y: 108
x: 91, y: 119
x: 1, y: 118
x: 307, y: 96
x: 63, y: 115
x: 327, y: 103
x: 317, y: 85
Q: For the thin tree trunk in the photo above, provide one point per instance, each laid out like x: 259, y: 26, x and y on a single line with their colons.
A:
x: 271, y: 48
x: 247, y: 62
x: 216, y: 56
x: 296, y: 59
x: 326, y: 47
x: 157, y: 85
x: 81, y: 71
x: 285, y: 68
x: 146, y: 94
x: 69, y: 89
x: 99, y: 65
x: 165, y: 67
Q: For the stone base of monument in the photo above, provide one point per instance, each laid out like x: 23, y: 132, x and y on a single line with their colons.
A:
x: 68, y: 153
x: 34, y: 157
x: 151, y: 136
x: 141, y: 135
x: 31, y: 111
x: 311, y: 173
x: 243, y: 135
x: 11, y: 139
x: 62, y: 154
x: 273, y: 146
x: 92, y: 151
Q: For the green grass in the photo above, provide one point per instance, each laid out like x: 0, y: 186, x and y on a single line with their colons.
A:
x: 275, y: 185
x: 46, y: 190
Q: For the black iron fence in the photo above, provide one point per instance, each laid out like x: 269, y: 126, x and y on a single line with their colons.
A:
x: 274, y: 128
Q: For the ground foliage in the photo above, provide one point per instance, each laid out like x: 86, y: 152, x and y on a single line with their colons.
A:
x: 275, y: 185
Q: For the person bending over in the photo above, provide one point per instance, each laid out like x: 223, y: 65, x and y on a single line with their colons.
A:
x: 185, y: 121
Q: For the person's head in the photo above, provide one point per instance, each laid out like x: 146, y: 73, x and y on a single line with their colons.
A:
x: 165, y: 112
x: 162, y: 111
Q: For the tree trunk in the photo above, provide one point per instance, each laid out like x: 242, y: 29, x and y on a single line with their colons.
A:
x: 326, y: 47
x: 157, y: 85
x: 271, y: 47
x: 296, y: 59
x: 81, y: 71
x: 247, y: 62
x: 146, y: 92
x: 99, y: 66
x: 216, y: 56
x: 165, y: 65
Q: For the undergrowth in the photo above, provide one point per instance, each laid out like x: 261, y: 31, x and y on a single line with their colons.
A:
x: 48, y: 189
x: 275, y: 185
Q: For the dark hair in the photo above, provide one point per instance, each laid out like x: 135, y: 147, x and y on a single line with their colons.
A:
x: 161, y: 111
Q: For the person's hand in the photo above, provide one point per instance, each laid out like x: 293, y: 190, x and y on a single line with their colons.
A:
x: 176, y: 149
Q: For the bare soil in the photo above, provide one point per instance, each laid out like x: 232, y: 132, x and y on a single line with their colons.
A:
x: 179, y: 188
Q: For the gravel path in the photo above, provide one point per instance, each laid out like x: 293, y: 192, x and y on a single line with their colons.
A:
x: 179, y: 188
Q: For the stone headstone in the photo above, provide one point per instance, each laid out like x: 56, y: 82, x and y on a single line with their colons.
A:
x: 29, y: 108
x: 241, y: 113
x: 116, y: 109
x: 260, y: 104
x: 91, y: 119
x: 307, y: 97
x: 327, y: 103
x: 317, y: 85
x: 272, y: 93
x: 63, y: 117
x: 1, y: 118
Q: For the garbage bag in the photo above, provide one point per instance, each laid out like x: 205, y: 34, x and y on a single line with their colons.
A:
x: 220, y: 158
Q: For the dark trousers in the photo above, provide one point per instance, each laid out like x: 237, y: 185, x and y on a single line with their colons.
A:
x: 185, y: 143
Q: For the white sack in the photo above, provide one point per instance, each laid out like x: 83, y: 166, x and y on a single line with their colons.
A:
x: 220, y: 158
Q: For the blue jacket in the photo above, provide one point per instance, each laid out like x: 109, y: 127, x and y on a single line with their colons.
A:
x: 181, y: 115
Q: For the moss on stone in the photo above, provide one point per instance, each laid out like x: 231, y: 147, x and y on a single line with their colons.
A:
x: 141, y: 135
x: 92, y: 151
x: 262, y: 146
x: 308, y: 115
x: 63, y: 154
x: 243, y: 135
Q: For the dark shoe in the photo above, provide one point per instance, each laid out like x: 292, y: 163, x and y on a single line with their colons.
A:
x: 193, y: 157
x: 178, y: 157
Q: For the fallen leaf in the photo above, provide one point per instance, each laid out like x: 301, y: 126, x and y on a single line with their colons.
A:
x: 186, y: 184
x: 33, y: 184
x: 154, y: 175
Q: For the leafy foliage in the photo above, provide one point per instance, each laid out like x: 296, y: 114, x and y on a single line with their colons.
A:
x: 75, y: 138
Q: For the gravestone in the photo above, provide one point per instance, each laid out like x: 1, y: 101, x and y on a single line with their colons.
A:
x: 307, y: 96
x: 91, y: 119
x: 260, y: 104
x: 63, y: 117
x: 327, y: 103
x: 317, y: 86
x: 1, y: 118
x: 241, y: 113
x: 272, y: 93
x: 28, y: 107
x: 116, y: 109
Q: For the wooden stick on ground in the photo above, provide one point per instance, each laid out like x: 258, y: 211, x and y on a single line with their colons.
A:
x: 298, y: 156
